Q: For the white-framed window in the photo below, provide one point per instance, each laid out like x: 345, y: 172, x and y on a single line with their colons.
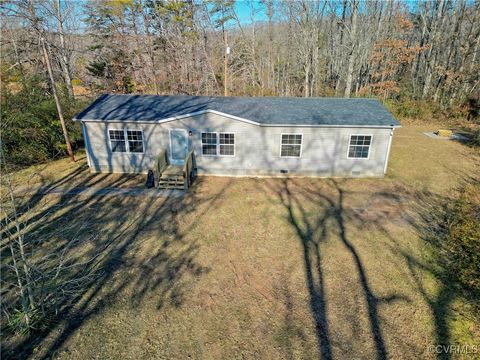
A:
x: 135, y: 141
x: 117, y: 140
x: 218, y: 144
x: 291, y: 145
x: 209, y: 144
x: 226, y: 145
x: 126, y: 140
x: 359, y: 146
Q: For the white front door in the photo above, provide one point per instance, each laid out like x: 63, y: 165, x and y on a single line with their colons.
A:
x: 178, y: 146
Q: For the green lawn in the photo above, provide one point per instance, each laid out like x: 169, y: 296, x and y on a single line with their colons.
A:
x: 261, y: 268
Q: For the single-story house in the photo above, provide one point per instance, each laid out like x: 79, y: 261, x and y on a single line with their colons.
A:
x: 243, y: 136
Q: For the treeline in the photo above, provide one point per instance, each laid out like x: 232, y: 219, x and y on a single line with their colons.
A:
x: 425, y: 51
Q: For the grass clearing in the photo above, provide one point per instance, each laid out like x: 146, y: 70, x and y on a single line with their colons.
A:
x: 263, y: 268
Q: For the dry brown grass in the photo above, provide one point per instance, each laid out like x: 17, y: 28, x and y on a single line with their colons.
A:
x: 269, y: 268
x: 63, y: 174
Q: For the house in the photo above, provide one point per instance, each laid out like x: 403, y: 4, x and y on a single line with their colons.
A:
x: 243, y: 136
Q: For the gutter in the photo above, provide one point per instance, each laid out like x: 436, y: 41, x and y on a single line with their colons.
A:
x: 388, y: 150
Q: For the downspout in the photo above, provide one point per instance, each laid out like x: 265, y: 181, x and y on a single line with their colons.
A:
x: 388, y: 151
x: 87, y: 144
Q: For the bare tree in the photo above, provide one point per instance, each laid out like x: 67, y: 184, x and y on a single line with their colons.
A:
x: 303, y: 48
x: 57, y: 100
x: 63, y: 51
x: 39, y: 283
x: 353, y: 47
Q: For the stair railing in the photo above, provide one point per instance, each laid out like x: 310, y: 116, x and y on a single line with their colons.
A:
x: 161, y: 164
x: 187, y: 169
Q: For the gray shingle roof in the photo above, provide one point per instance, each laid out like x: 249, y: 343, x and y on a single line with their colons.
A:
x: 262, y: 110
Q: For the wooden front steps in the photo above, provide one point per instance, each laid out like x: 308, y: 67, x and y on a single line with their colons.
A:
x: 171, y: 183
x: 170, y: 176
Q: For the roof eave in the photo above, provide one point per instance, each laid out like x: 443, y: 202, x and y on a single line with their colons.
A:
x: 179, y: 117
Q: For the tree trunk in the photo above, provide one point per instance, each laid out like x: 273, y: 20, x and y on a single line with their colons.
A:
x: 57, y: 101
x: 431, y: 59
x: 225, y: 64
x: 336, y: 54
x: 150, y: 50
x: 65, y: 64
x: 351, y: 58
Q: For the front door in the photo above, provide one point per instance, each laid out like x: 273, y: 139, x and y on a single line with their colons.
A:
x: 178, y: 146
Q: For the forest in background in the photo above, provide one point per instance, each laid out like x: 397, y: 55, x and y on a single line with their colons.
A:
x: 420, y: 57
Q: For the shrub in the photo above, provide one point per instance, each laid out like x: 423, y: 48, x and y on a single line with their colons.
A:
x: 473, y: 107
x: 31, y: 131
x: 461, y: 247
x: 407, y: 108
x: 476, y: 138
x: 413, y: 109
x: 76, y: 82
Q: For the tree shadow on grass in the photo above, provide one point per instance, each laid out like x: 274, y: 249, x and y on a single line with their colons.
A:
x: 114, y: 228
x: 429, y: 219
x: 439, y: 303
x: 428, y: 271
x: 314, y: 230
x: 311, y: 236
x: 292, y: 328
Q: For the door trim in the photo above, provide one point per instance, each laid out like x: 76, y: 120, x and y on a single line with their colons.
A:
x: 170, y: 140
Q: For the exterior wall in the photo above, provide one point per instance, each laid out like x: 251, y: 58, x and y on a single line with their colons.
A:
x: 257, y: 149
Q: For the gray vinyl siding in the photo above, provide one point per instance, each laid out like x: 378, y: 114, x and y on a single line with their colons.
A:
x: 257, y: 149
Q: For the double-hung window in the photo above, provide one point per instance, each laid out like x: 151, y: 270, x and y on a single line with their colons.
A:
x: 291, y: 145
x: 209, y: 144
x: 218, y: 144
x: 359, y: 146
x: 117, y: 140
x: 126, y: 140
x: 227, y: 144
x: 135, y: 141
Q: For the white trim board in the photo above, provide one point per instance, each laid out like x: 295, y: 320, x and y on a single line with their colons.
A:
x: 86, y: 143
x: 179, y: 117
x: 388, y: 152
x: 281, y: 144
